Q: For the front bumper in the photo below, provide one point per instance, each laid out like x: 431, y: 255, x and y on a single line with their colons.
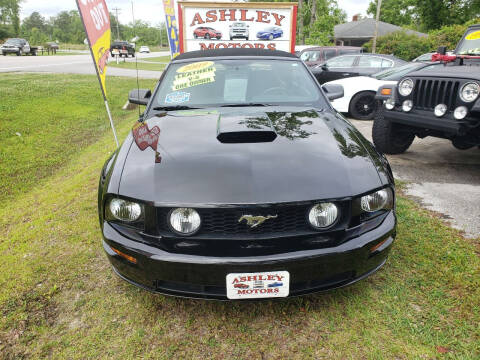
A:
x: 9, y: 50
x: 205, y: 277
x: 427, y: 120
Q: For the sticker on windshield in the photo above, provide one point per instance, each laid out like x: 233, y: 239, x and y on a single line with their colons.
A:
x: 193, y: 75
x: 473, y: 36
x: 177, y: 97
x: 195, y: 66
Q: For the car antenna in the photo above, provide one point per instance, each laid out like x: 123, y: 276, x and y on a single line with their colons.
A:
x: 136, y: 62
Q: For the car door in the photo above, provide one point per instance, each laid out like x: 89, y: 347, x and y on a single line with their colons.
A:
x: 368, y: 65
x: 337, y: 68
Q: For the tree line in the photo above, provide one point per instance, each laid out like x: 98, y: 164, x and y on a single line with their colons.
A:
x: 67, y: 28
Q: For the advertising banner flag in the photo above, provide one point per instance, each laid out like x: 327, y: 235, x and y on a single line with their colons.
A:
x: 96, y: 20
x: 220, y: 25
x: 171, y: 24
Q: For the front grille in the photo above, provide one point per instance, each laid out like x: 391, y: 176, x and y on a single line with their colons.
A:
x: 428, y: 93
x: 225, y: 221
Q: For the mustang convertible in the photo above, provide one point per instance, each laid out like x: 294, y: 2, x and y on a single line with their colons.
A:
x: 240, y: 181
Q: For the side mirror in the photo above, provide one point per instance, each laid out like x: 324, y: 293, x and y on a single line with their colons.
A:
x: 442, y: 50
x: 333, y: 91
x: 139, y: 96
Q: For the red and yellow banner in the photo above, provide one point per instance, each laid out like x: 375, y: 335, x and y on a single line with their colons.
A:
x: 96, y: 20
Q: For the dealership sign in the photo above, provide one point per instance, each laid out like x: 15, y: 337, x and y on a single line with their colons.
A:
x: 216, y: 25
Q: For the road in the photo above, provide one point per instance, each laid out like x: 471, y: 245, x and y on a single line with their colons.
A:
x: 441, y: 178
x: 71, y: 64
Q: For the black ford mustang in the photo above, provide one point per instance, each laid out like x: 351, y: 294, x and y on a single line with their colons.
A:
x: 241, y: 181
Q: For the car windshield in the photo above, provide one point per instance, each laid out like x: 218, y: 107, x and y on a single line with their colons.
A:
x: 470, y: 44
x: 397, y: 73
x: 13, y: 42
x: 238, y: 82
x: 310, y: 55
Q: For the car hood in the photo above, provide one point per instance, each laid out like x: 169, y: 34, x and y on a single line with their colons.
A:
x: 465, y: 71
x: 361, y: 83
x: 312, y: 155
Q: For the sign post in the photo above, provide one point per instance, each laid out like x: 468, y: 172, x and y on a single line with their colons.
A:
x: 96, y: 21
x: 219, y: 25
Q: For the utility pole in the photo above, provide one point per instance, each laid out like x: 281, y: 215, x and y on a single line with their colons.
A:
x: 374, y: 47
x: 118, y: 29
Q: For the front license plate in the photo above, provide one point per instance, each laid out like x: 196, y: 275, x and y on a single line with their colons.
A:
x: 258, y: 285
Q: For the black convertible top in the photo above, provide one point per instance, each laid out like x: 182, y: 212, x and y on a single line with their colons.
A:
x: 233, y: 52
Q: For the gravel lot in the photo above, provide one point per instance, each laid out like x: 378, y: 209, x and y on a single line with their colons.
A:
x: 442, y: 178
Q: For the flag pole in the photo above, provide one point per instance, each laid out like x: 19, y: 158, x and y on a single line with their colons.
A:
x: 98, y: 77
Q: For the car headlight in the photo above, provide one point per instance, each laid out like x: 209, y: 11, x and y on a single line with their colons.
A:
x: 407, y: 105
x: 323, y: 215
x: 405, y: 87
x: 470, y: 92
x: 460, y: 113
x: 124, y: 210
x: 185, y: 221
x: 379, y: 200
x: 390, y: 104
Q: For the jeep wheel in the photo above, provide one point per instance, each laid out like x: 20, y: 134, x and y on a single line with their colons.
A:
x: 362, y: 106
x: 388, y: 137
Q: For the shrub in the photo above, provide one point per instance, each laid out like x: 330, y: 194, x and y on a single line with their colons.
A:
x: 401, y: 44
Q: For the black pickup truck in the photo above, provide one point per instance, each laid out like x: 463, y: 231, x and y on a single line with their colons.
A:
x: 444, y: 103
x: 17, y: 46
x: 122, y: 49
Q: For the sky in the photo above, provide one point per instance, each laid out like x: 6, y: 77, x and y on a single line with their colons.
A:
x: 147, y: 10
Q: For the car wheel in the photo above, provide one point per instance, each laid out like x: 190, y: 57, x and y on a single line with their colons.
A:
x: 207, y: 36
x: 219, y: 37
x: 19, y: 53
x: 362, y: 106
x: 388, y: 137
x: 270, y: 37
x: 195, y: 36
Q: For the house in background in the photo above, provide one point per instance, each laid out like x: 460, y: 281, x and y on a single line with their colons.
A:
x: 362, y: 30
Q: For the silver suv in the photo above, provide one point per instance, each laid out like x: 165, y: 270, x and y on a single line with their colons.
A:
x: 239, y: 30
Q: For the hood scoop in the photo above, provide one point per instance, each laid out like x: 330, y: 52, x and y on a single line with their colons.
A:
x: 245, y: 129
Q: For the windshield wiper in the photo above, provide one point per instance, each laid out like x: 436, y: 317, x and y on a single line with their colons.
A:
x: 246, y: 105
x: 175, y: 107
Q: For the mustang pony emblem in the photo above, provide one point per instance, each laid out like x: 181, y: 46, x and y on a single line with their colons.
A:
x: 254, y: 221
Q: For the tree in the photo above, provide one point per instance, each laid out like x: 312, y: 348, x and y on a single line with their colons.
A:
x: 426, y: 15
x: 10, y: 16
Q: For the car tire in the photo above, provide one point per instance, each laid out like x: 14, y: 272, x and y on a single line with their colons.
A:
x: 270, y: 37
x: 207, y: 36
x: 19, y: 53
x: 219, y: 37
x: 362, y: 106
x: 195, y: 36
x: 389, y: 137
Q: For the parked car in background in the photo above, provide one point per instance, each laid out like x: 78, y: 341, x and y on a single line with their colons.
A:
x: 425, y: 57
x: 144, y: 49
x: 300, y: 48
x: 206, y: 33
x: 359, y: 95
x: 122, y: 49
x: 354, y: 65
x: 300, y: 183
x: 314, y: 56
x: 239, y: 30
x: 18, y: 47
x: 270, y: 33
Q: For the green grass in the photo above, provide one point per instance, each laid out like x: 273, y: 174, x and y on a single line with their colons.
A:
x: 46, y: 119
x: 60, y: 299
x: 141, y: 65
x: 161, y: 59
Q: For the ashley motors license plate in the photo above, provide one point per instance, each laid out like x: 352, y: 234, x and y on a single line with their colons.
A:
x: 258, y: 285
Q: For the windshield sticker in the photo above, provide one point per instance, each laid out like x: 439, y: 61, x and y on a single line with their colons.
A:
x: 473, y: 36
x: 193, y: 75
x: 145, y: 137
x: 195, y: 66
x: 177, y: 97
